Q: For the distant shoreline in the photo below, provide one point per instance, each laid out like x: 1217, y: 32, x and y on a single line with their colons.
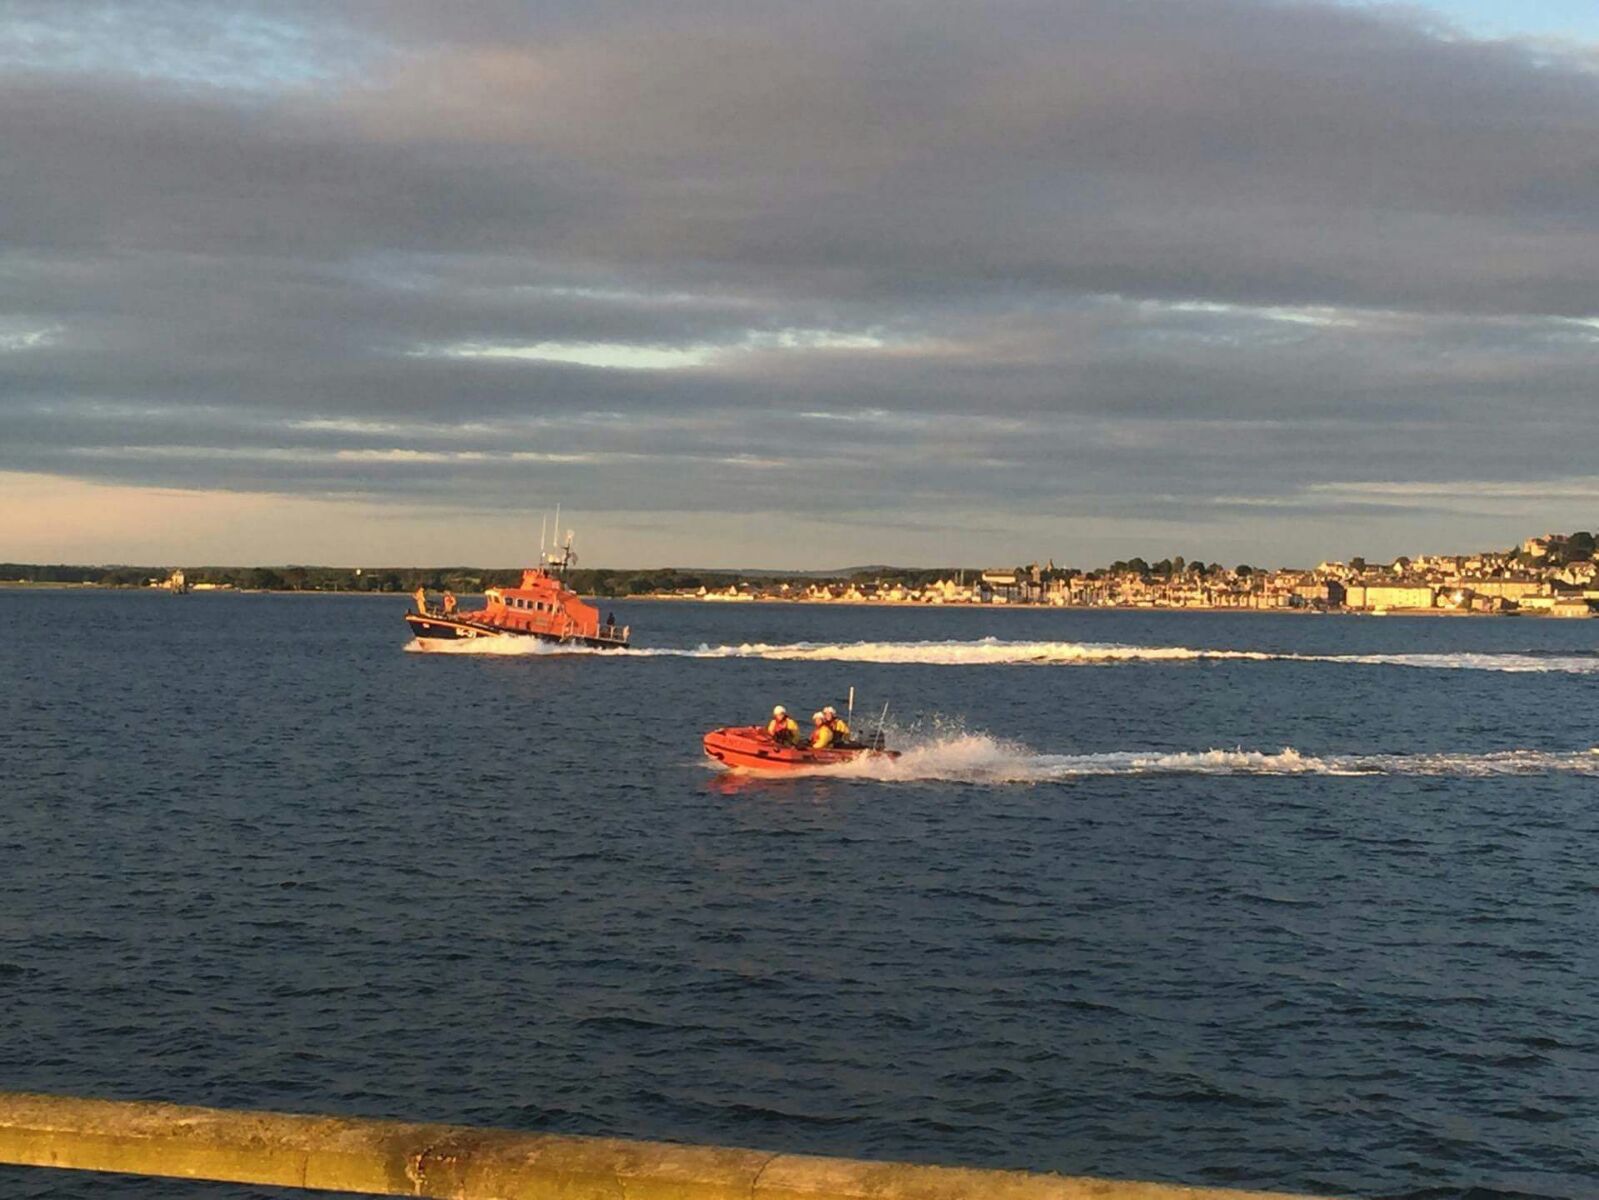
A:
x: 1082, y: 608
x: 26, y: 585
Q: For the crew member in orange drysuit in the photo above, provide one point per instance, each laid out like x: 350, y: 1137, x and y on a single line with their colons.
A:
x: 784, y: 730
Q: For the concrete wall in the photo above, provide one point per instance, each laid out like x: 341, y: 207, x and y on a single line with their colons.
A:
x: 452, y: 1162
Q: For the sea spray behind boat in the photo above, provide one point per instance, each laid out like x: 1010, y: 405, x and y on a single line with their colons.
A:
x: 995, y: 652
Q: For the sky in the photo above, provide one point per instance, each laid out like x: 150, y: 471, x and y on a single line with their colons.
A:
x: 795, y: 285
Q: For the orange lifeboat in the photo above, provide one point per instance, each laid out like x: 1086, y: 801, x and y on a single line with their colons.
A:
x: 541, y: 606
x: 749, y: 749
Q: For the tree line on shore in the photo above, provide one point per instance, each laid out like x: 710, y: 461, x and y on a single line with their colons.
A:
x: 588, y: 581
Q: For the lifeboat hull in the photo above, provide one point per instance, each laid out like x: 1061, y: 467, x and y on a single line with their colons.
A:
x: 433, y: 627
x: 749, y: 749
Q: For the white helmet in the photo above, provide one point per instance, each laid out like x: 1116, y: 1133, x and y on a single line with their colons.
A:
x: 830, y: 712
x: 817, y: 717
x: 780, y: 711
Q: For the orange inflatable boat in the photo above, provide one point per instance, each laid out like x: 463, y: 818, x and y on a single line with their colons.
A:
x: 750, y: 749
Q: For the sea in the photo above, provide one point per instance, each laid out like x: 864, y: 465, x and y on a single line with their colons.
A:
x: 1294, y: 902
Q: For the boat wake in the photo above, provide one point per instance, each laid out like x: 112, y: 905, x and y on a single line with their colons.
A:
x: 980, y: 759
x: 503, y: 647
x: 1556, y: 664
x: 995, y: 652
x: 984, y: 652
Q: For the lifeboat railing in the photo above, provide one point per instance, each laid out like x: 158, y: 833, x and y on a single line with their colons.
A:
x: 397, y: 1158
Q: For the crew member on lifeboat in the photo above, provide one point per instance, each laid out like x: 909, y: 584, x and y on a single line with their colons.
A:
x: 782, y: 728
x: 838, y: 725
x: 822, y: 735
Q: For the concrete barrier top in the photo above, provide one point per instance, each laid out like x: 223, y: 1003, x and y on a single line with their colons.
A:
x: 453, y: 1162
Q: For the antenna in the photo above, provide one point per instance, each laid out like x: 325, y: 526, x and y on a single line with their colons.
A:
x: 544, y: 522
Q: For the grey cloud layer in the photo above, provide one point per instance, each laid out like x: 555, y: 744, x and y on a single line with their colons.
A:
x: 1171, y: 259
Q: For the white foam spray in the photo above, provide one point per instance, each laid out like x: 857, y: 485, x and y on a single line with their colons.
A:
x: 505, y: 647
x: 980, y: 759
x: 994, y: 652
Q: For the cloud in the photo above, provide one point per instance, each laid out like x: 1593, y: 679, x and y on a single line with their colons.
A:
x: 1148, y: 262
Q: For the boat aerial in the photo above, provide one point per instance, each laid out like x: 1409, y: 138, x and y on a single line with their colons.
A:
x: 749, y: 749
x: 541, y: 607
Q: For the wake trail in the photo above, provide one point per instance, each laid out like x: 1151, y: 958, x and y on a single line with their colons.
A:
x: 995, y: 652
x: 980, y: 758
x: 496, y: 647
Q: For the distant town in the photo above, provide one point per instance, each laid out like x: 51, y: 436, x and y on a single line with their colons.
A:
x: 1555, y: 574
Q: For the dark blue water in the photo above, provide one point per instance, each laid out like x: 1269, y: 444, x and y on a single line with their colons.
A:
x: 255, y: 854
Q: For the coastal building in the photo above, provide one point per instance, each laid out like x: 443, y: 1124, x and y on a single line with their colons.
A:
x: 1515, y: 588
x: 948, y: 591
x: 1000, y: 587
x: 1391, y: 595
x: 1543, y: 547
x: 1578, y: 574
x: 1320, y: 593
